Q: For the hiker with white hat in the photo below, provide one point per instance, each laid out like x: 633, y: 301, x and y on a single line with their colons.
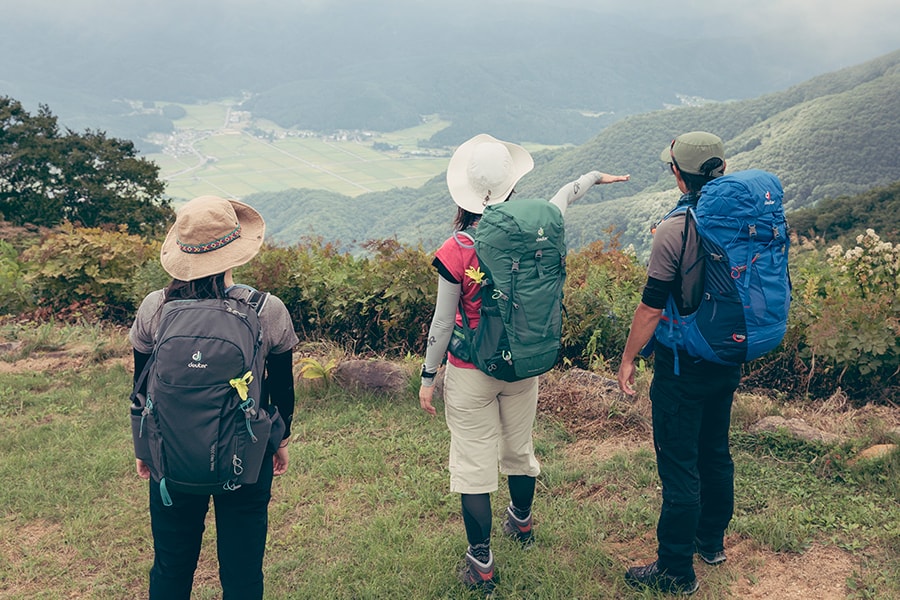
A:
x: 490, y: 420
x: 212, y: 236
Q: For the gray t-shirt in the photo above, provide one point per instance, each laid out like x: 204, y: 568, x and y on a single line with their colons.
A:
x: 668, y: 264
x: 274, y: 319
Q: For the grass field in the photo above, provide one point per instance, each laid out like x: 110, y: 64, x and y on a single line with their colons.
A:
x: 364, y: 511
x: 222, y: 152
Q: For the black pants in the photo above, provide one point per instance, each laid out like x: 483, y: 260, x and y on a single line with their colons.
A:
x: 242, y: 519
x: 691, y: 418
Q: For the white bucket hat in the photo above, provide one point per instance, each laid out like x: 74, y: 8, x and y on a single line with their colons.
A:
x: 210, y: 236
x: 484, y: 170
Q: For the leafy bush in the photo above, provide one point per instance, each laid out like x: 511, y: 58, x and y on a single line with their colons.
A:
x: 149, y: 276
x: 15, y: 293
x: 843, y: 329
x: 74, y: 265
x: 384, y: 301
x: 381, y: 302
x: 603, y: 287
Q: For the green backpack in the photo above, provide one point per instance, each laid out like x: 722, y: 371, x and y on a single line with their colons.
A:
x: 521, y: 249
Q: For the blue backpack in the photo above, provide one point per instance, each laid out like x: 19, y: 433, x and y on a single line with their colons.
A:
x: 747, y: 288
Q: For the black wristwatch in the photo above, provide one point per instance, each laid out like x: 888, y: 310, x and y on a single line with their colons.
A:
x: 426, y: 375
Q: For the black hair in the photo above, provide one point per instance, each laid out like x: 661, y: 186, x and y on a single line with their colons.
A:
x: 693, y: 182
x: 212, y: 286
x: 464, y: 219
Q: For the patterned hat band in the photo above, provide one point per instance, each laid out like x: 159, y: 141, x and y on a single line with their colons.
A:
x: 210, y: 246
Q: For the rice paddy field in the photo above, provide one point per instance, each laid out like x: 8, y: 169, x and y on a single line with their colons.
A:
x: 216, y: 149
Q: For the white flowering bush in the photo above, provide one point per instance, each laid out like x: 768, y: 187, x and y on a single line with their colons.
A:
x: 873, y: 265
x: 849, y: 315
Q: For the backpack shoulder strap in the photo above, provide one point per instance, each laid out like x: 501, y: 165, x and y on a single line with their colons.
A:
x: 257, y: 300
x: 465, y: 238
x: 138, y: 395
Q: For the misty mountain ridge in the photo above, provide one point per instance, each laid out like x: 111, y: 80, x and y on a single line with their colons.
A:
x: 830, y: 136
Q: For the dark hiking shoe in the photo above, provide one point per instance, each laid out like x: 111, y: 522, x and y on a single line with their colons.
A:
x: 477, y: 575
x: 518, y: 529
x: 650, y: 576
x: 716, y: 557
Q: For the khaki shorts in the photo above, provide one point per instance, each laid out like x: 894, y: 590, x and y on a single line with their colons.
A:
x: 490, y: 424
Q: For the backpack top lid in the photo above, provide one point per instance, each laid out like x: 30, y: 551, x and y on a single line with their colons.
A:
x: 750, y: 193
x: 522, y: 223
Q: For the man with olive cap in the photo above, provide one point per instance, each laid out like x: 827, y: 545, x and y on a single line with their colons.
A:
x: 691, y: 408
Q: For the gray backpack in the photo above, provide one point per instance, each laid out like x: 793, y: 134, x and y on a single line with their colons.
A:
x: 200, y: 426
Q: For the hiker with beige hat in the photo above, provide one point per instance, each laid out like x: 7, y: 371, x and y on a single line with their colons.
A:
x: 210, y: 238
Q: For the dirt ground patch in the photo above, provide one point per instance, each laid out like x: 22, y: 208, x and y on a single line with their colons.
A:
x: 61, y: 360
x: 820, y: 573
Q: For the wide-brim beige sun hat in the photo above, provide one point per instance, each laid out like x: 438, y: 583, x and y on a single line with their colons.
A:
x: 210, y: 236
x: 484, y: 170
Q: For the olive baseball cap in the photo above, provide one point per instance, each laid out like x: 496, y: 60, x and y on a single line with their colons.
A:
x: 691, y: 151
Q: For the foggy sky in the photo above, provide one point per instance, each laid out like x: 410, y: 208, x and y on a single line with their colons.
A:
x: 844, y: 32
x: 864, y: 28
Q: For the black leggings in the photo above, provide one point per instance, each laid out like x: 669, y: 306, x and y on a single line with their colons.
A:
x: 476, y: 508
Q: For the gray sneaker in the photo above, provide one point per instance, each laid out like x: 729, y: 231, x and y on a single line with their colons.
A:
x: 476, y: 575
x: 518, y: 529
x: 716, y: 557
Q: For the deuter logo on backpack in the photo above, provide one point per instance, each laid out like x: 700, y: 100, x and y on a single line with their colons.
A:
x: 521, y: 250
x: 746, y: 286
x: 200, y: 422
x: 195, y: 363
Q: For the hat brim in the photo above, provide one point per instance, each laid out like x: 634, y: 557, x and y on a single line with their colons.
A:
x: 463, y: 194
x: 188, y: 267
x: 666, y: 154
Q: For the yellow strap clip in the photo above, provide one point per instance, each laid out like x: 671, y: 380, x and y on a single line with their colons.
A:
x: 242, y: 384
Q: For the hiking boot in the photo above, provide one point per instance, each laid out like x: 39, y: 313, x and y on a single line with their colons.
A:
x: 711, y: 558
x: 477, y: 575
x: 650, y: 576
x: 518, y: 529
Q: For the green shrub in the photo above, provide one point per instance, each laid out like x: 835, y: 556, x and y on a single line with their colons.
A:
x: 603, y: 287
x: 74, y: 265
x: 381, y: 302
x: 15, y: 293
x: 384, y: 301
x: 148, y: 277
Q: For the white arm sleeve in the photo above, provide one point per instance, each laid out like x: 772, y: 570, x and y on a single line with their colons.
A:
x: 442, y: 323
x: 575, y: 190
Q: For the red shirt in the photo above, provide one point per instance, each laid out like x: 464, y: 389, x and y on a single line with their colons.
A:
x: 456, y: 261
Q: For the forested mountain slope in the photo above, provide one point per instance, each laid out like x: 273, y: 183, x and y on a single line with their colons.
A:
x: 833, y: 135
